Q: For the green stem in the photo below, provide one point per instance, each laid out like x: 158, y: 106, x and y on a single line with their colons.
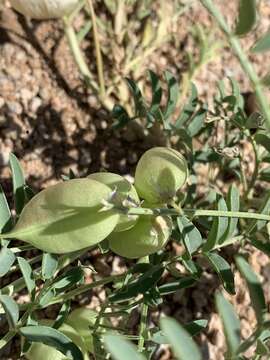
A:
x: 196, y: 213
x: 84, y: 288
x: 84, y: 69
x: 7, y: 338
x: 98, y: 50
x: 77, y: 54
x: 242, y: 57
x: 143, y: 325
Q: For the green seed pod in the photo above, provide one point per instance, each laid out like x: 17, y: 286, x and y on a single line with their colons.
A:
x: 66, y: 217
x: 160, y: 172
x: 81, y: 319
x: 39, y: 351
x: 149, y: 235
x: 126, y: 191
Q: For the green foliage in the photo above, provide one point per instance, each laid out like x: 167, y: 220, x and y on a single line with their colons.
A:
x: 247, y: 17
x: 11, y: 310
x: 230, y: 322
x: 77, y: 214
x: 182, y: 344
x: 53, y: 338
x: 263, y: 44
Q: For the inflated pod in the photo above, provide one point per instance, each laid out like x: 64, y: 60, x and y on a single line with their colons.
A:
x: 39, y: 351
x: 66, y: 217
x: 160, y: 173
x: 149, y: 235
x: 125, y: 190
x: 44, y: 9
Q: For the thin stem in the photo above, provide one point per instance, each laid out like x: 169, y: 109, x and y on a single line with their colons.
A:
x: 77, y: 54
x: 83, y: 67
x: 143, y: 325
x: 7, y: 338
x: 195, y: 213
x: 84, y: 288
x: 242, y: 57
x: 98, y: 50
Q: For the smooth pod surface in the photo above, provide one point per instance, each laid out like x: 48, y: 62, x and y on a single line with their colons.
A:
x: 44, y: 9
x: 124, y: 187
x: 66, y: 217
x: 160, y: 173
x: 39, y: 351
x: 149, y: 235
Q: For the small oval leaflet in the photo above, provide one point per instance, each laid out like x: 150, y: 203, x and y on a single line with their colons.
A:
x: 11, y: 310
x: 52, y: 337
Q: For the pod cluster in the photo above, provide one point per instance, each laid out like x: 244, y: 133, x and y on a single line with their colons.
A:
x: 80, y: 213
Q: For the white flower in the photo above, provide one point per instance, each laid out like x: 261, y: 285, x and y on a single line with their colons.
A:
x: 44, y: 9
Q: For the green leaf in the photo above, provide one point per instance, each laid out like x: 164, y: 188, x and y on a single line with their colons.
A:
x: 264, y: 247
x: 263, y: 44
x: 256, y: 225
x: 7, y: 259
x: 62, y: 315
x: 196, y: 326
x: 139, y: 286
x: 11, y: 310
x: 27, y: 275
x: 189, y: 234
x: 156, y: 92
x: 223, y: 270
x: 193, y: 328
x: 233, y: 204
x: 69, y: 279
x: 231, y: 323
x: 121, y: 349
x: 182, y: 344
x: 139, y: 102
x: 189, y: 108
x: 197, y: 123
x: 18, y: 183
x: 254, y: 121
x: 84, y: 30
x: 49, y: 266
x: 121, y: 116
x: 247, y: 17
x: 66, y: 217
x: 265, y: 174
x: 52, y: 337
x: 172, y: 287
x: 5, y: 214
x: 254, y: 287
x: 262, y: 139
x: 173, y: 94
x: 46, y: 297
x: 219, y: 226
